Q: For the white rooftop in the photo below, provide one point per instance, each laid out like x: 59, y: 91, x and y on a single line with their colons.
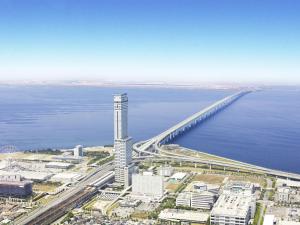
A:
x: 183, y: 215
x: 269, y: 219
x: 63, y: 164
x: 290, y: 183
x: 285, y: 222
x: 66, y: 176
x: 232, y: 205
x: 178, y: 175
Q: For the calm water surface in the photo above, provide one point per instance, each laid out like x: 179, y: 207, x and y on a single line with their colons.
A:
x: 261, y: 128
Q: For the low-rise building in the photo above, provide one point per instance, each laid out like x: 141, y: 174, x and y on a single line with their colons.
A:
x: 184, y: 199
x: 269, y: 219
x: 287, y: 222
x: 58, y: 165
x: 15, y: 188
x: 165, y: 171
x: 179, y: 176
x: 233, y: 209
x: 203, y: 200
x: 66, y: 177
x: 283, y: 194
x: 200, y: 196
x: 238, y: 187
x: 183, y: 216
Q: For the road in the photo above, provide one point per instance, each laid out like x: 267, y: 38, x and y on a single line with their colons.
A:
x: 92, y: 176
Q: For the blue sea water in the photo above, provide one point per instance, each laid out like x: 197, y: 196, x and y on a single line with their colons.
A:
x: 261, y: 128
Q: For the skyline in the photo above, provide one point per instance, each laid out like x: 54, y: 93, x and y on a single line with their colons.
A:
x: 143, y: 41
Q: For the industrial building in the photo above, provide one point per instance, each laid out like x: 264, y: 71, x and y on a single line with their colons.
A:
x: 234, y: 209
x: 122, y: 142
x: 148, y: 184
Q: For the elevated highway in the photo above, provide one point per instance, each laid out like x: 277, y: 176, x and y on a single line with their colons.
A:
x: 153, y: 147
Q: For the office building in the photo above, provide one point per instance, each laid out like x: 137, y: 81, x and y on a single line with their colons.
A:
x: 122, y: 142
x: 201, y: 196
x: 184, y: 199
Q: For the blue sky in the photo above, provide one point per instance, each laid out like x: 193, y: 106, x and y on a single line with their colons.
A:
x: 151, y: 40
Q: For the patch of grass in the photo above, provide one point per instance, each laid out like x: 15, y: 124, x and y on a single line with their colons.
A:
x: 257, y: 213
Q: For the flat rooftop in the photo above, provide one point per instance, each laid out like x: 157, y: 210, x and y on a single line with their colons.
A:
x: 232, y: 205
x: 183, y: 215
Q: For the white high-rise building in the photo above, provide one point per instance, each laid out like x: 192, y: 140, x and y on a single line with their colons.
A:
x: 122, y: 143
x: 78, y: 152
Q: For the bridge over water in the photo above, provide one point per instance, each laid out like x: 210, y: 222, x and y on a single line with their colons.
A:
x: 187, y: 124
x: 153, y: 146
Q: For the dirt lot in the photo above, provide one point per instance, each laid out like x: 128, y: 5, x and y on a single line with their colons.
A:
x: 210, y: 178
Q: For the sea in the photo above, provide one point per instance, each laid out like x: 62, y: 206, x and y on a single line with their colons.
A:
x: 261, y: 128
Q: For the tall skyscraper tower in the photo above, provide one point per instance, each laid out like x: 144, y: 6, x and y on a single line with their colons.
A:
x: 122, y: 143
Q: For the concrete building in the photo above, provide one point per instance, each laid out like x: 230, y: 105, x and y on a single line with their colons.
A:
x: 283, y: 194
x: 184, y: 199
x: 287, y: 222
x: 148, y: 185
x: 165, y: 171
x: 66, y: 177
x: 122, y: 142
x: 238, y: 187
x: 58, y: 165
x: 179, y: 176
x: 234, y: 209
x: 201, y: 196
x: 12, y: 185
x: 201, y: 200
x: 78, y: 151
x: 269, y: 219
x: 175, y: 216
